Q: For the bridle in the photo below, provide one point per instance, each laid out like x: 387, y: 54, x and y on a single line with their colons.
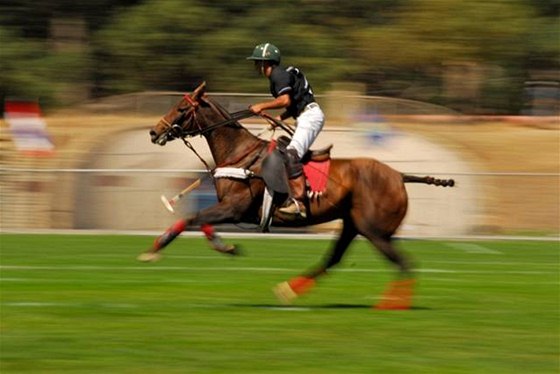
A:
x: 187, y: 118
x: 175, y: 129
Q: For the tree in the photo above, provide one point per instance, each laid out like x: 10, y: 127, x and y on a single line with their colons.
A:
x: 405, y: 48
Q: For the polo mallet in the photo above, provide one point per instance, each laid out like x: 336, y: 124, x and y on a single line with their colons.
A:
x: 169, y: 204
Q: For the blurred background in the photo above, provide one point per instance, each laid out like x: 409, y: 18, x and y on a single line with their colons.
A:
x: 468, y: 90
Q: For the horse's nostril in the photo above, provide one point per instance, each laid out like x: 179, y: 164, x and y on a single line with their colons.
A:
x: 152, y: 133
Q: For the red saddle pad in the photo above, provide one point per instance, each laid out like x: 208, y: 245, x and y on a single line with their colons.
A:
x: 317, y: 174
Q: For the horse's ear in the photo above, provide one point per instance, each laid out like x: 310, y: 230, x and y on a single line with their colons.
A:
x: 199, y: 91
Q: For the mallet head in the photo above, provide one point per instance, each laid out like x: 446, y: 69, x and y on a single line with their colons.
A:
x: 168, y: 204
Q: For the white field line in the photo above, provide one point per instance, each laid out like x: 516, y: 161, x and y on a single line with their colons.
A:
x: 112, y: 281
x: 38, y: 304
x: 254, y: 234
x: 66, y: 304
x: 493, y: 281
x: 225, y: 281
x: 31, y: 304
x: 258, y: 269
x: 473, y: 248
x: 492, y: 263
x: 311, y: 257
x: 144, y: 268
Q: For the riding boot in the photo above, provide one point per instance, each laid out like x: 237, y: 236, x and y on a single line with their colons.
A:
x: 295, y: 203
x: 296, y: 181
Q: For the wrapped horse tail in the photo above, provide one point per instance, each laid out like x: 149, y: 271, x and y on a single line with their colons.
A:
x: 428, y: 180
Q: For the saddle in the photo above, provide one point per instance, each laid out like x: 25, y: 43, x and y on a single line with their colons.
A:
x: 316, y: 164
x: 316, y: 155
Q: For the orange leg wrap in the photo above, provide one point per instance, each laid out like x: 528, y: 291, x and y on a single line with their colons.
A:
x: 398, y: 296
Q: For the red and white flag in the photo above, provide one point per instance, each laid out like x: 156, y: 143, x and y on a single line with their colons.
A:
x: 29, y: 130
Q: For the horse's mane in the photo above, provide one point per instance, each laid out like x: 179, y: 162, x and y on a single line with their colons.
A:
x: 218, y: 107
x: 223, y: 111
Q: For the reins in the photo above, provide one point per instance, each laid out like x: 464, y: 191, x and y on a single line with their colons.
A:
x: 236, y: 116
x: 189, y: 145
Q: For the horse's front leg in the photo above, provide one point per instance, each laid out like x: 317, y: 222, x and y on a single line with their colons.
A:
x: 219, y: 213
x: 216, y: 242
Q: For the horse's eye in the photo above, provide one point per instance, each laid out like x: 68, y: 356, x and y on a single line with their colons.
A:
x: 181, y: 110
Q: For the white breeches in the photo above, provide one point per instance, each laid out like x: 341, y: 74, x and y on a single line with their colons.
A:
x: 308, y: 125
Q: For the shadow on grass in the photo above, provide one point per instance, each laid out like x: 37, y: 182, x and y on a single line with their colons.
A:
x: 314, y: 307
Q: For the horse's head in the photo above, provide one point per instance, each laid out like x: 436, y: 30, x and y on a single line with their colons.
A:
x: 180, y: 120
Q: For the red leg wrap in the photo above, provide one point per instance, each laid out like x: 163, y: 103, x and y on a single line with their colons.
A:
x: 179, y: 226
x: 208, y: 231
x: 301, y: 285
x: 171, y: 233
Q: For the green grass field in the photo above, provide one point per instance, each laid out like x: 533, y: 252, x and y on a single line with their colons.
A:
x: 83, y: 304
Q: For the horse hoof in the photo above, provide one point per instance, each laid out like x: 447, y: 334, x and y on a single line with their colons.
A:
x: 149, y: 257
x: 235, y: 251
x: 231, y: 250
x: 284, y: 293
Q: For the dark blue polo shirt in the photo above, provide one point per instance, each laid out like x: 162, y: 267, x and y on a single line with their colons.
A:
x: 291, y: 81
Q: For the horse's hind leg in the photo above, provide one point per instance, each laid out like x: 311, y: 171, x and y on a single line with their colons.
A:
x: 387, y: 248
x: 398, y: 294
x: 290, y: 290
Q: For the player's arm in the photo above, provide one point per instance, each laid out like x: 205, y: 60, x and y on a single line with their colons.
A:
x: 282, y: 101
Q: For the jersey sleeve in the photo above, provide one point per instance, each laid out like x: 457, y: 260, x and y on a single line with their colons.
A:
x: 280, y: 82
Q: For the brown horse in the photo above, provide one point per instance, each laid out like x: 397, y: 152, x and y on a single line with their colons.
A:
x: 369, y: 196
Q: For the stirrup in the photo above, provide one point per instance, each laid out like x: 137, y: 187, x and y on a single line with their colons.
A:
x: 294, y: 209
